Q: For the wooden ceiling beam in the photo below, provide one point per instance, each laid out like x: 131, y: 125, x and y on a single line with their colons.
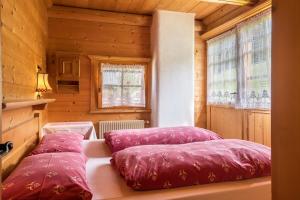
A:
x: 99, y: 16
x: 212, y: 32
x: 232, y: 2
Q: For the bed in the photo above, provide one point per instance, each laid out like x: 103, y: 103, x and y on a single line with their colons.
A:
x: 106, y: 183
x: 85, y: 128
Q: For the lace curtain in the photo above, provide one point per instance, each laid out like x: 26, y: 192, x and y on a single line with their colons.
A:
x: 222, y: 69
x: 255, y: 61
x: 123, y: 85
x: 239, y: 65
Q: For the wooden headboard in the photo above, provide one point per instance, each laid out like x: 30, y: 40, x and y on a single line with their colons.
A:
x: 21, y: 124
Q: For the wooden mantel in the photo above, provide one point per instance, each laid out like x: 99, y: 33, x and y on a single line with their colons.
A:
x: 37, y: 104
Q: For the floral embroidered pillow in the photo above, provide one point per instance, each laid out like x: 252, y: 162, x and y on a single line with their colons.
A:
x: 49, y: 176
x: 59, y: 142
x: 122, y: 139
x: 152, y: 167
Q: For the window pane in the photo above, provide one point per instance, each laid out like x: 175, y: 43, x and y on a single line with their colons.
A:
x: 134, y: 76
x: 222, y: 69
x: 111, y: 75
x: 133, y: 96
x: 123, y: 85
x: 255, y: 62
x: 111, y: 96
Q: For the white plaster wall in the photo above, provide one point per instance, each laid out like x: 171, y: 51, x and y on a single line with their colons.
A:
x: 173, y: 69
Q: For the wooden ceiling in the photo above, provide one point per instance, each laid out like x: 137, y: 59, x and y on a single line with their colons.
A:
x: 201, y: 8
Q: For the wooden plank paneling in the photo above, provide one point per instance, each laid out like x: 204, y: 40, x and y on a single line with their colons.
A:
x: 12, y: 118
x: 285, y: 100
x: 201, y: 8
x: 204, y: 9
x: 253, y: 125
x: 236, y: 16
x: 99, y: 16
x: 24, y: 36
x: 200, y: 82
x: 24, y: 135
x: 98, y: 33
x: 228, y: 122
x: 259, y: 127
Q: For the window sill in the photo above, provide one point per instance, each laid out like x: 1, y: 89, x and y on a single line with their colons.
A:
x: 116, y: 111
x: 245, y: 109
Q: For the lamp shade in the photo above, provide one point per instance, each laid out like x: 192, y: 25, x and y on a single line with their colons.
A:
x: 42, y: 83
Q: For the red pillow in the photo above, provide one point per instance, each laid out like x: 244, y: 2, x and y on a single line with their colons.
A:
x: 59, y: 142
x: 49, y: 176
x: 121, y: 139
x: 167, y: 166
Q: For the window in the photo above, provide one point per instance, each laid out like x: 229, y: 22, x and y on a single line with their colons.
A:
x: 123, y: 85
x: 255, y: 62
x: 222, y: 66
x: 239, y: 65
x: 120, y: 84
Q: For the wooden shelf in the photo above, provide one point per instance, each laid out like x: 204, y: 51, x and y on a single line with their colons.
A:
x: 37, y: 104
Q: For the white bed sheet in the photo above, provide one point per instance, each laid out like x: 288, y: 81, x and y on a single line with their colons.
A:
x: 107, y: 184
x: 85, y: 128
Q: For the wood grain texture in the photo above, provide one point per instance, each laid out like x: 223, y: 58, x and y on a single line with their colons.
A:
x: 259, y: 127
x: 226, y: 13
x: 24, y: 36
x: 227, y: 19
x: 200, y: 82
x: 228, y: 122
x: 99, y: 16
x: 24, y: 39
x: 21, y: 127
x: 37, y: 104
x: 285, y: 100
x: 113, y: 37
x: 253, y: 125
x: 201, y: 8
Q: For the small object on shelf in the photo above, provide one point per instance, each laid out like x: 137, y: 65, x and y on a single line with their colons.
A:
x: 42, y: 83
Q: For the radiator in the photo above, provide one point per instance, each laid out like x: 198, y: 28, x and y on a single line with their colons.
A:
x: 105, y: 126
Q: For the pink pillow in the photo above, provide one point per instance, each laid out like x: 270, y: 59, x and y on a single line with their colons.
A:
x: 59, y: 142
x: 121, y: 139
x: 49, y: 176
x: 167, y: 166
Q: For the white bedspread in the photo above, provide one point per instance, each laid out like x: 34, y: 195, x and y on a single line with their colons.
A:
x: 106, y: 184
x: 85, y: 128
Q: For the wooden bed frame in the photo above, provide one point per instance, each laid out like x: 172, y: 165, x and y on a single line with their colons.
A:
x: 21, y: 124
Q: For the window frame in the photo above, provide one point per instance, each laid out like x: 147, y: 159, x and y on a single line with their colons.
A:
x: 96, y: 83
x: 234, y: 29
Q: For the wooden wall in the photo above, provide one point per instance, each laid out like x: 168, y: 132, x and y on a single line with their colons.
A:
x: 228, y: 122
x: 200, y: 81
x: 20, y: 126
x: 227, y: 13
x: 24, y: 39
x: 253, y: 125
x: 24, y: 36
x: 89, y: 32
x: 285, y: 100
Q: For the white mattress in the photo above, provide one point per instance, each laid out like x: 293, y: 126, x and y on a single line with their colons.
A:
x: 106, y: 183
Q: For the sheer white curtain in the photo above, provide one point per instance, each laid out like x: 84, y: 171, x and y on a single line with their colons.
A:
x: 222, y: 69
x: 254, y: 39
x: 123, y: 85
